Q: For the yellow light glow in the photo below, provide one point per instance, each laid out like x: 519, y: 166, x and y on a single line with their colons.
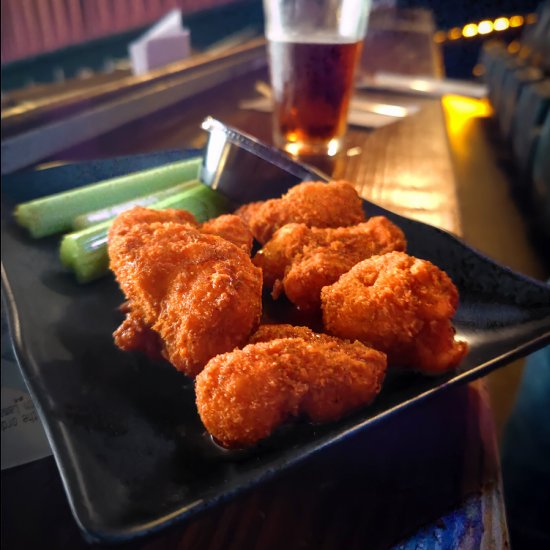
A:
x: 514, y: 47
x: 501, y: 24
x: 454, y: 34
x: 439, y: 37
x: 460, y: 110
x: 293, y: 149
x: 469, y: 30
x: 485, y: 27
x: 531, y: 18
x: 516, y: 21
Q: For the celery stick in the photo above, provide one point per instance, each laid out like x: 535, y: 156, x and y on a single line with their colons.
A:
x: 104, y: 214
x: 201, y: 201
x: 55, y: 213
x: 85, y: 251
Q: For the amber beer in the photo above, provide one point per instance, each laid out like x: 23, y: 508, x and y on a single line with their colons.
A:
x: 312, y: 85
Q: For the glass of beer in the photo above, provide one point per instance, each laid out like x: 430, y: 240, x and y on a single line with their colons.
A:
x: 314, y: 46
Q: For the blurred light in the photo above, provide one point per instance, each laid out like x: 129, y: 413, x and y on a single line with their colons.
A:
x: 354, y: 151
x: 513, y: 47
x: 292, y: 148
x: 469, y: 30
x: 390, y: 110
x: 454, y: 34
x: 485, y: 27
x: 53, y: 164
x: 501, y: 24
x: 420, y: 85
x: 460, y: 110
x: 416, y: 199
x: 478, y: 70
x: 333, y: 147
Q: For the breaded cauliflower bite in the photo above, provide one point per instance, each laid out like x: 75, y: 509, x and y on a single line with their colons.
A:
x: 232, y: 229
x: 269, y: 331
x: 400, y: 305
x: 200, y: 293
x: 300, y: 260
x: 242, y: 396
x: 316, y: 204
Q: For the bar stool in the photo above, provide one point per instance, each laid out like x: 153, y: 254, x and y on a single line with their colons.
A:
x: 490, y: 51
x: 537, y: 37
x: 504, y: 66
x: 531, y: 111
x: 513, y: 84
x: 541, y: 179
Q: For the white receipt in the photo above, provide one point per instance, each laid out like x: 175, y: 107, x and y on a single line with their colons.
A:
x: 23, y: 437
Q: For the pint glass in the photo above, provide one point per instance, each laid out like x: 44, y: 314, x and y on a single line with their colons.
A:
x: 314, y: 46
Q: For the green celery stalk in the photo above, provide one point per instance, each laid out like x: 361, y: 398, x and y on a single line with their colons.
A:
x: 104, y: 214
x: 85, y: 251
x: 55, y: 213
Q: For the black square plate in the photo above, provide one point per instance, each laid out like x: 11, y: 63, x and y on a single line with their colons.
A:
x: 131, y: 449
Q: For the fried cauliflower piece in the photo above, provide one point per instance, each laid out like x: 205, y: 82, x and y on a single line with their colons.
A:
x: 269, y: 331
x: 148, y: 215
x: 400, y: 305
x: 134, y: 335
x: 247, y: 212
x: 242, y: 396
x: 314, y: 203
x: 232, y: 229
x: 200, y: 293
x: 300, y: 260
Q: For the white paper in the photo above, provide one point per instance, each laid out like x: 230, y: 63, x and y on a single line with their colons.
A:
x: 169, y: 25
x: 166, y: 42
x: 23, y: 437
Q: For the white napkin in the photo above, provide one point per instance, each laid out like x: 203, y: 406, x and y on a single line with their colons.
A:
x: 167, y: 41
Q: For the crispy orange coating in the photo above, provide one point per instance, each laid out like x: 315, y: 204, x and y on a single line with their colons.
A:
x: 134, y: 335
x: 247, y: 212
x: 400, y: 305
x: 269, y: 331
x: 148, y: 215
x: 199, y: 292
x: 302, y: 260
x: 317, y: 204
x: 231, y: 228
x: 242, y: 396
